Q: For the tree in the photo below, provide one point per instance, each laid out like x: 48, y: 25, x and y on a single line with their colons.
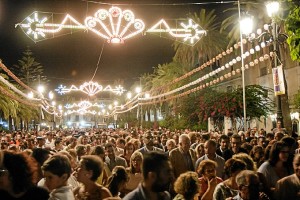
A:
x: 292, y: 28
x: 216, y: 104
x: 28, y: 69
x: 208, y: 47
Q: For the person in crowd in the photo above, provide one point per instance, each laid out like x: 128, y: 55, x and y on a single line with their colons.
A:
x: 257, y: 154
x: 199, y: 150
x: 117, y: 181
x: 278, y: 135
x: 134, y: 171
x: 208, y: 179
x: 57, y: 170
x: 261, y: 141
x: 289, y: 186
x: 111, y: 159
x: 186, y: 186
x: 99, y: 151
x: 88, y: 171
x: 80, y: 151
x: 236, y: 143
x: 210, y: 147
x: 49, y: 142
x: 18, y: 173
x: 40, y: 142
x: 148, y: 144
x: 58, y: 146
x: 120, y: 146
x: 248, y: 187
x: 170, y: 145
x: 157, y: 177
x: 129, y: 148
x: 183, y: 157
x: 229, y: 187
x: 223, y: 149
x: 276, y: 167
x: 40, y: 155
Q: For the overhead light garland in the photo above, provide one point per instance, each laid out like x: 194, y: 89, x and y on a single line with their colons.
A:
x: 114, y: 25
x: 84, y: 105
x: 191, y: 32
x: 91, y: 88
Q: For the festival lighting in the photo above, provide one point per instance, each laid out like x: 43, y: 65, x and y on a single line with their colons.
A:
x: 90, y: 88
x: 84, y: 105
x: 191, y: 31
x: 114, y: 25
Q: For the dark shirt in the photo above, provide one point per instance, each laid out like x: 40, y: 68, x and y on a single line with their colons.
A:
x: 34, y: 193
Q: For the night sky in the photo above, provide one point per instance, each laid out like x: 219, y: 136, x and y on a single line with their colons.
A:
x: 72, y: 59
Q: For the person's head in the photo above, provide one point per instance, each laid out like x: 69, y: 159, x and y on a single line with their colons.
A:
x: 129, y: 148
x: 257, y: 153
x: 98, y: 151
x: 117, y: 180
x: 148, y: 139
x: 224, y: 142
x: 193, y: 137
x: 233, y: 166
x: 89, y: 169
x: 187, y: 184
x: 279, y: 152
x: 80, y: 150
x: 184, y: 142
x: 210, y: 147
x: 250, y: 165
x: 40, y: 141
x: 261, y: 141
x: 200, y: 150
x: 57, y: 170
x: 278, y: 136
x: 296, y: 165
x: 235, y: 142
x: 248, y: 183
x: 291, y: 143
x: 171, y: 144
x: 121, y: 143
x: 40, y: 155
x: 136, y: 160
x: 207, y: 169
x: 18, y: 172
x: 157, y: 171
x: 109, y: 150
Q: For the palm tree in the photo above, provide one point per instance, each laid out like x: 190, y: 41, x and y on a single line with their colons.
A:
x: 208, y: 47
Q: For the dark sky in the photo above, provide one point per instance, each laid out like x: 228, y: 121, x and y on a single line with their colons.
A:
x: 73, y: 58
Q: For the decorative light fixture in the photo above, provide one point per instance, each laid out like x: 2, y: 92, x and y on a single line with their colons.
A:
x: 114, y: 25
x: 191, y: 31
x: 90, y: 88
x: 84, y: 105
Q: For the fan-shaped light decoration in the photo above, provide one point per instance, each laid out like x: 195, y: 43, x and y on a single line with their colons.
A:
x: 84, y: 105
x: 90, y: 88
x: 114, y: 25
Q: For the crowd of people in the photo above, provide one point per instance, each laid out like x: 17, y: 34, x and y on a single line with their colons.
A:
x: 149, y: 164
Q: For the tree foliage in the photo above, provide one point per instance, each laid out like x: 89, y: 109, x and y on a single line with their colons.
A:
x: 292, y: 26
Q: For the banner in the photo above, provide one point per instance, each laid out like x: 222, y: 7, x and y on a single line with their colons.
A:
x: 278, y: 80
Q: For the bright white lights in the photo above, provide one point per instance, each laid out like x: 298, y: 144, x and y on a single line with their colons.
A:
x: 51, y: 95
x: 113, y: 25
x: 41, y: 89
x: 90, y: 88
x: 272, y: 8
x: 129, y: 95
x: 30, y: 95
x: 191, y: 31
x: 138, y: 90
x: 246, y: 25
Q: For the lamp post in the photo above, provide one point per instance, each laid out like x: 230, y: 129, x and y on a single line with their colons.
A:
x: 245, y: 28
x: 272, y: 9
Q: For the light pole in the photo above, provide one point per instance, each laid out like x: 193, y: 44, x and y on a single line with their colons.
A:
x: 245, y: 28
x: 272, y: 9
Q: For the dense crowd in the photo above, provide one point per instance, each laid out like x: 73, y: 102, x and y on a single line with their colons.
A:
x: 149, y: 164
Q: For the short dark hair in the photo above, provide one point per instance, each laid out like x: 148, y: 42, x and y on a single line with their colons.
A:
x: 224, y: 137
x: 152, y: 162
x: 93, y: 163
x: 233, y: 165
x: 58, y: 164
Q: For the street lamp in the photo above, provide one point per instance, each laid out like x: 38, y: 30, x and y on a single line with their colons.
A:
x: 272, y: 9
x: 246, y: 24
